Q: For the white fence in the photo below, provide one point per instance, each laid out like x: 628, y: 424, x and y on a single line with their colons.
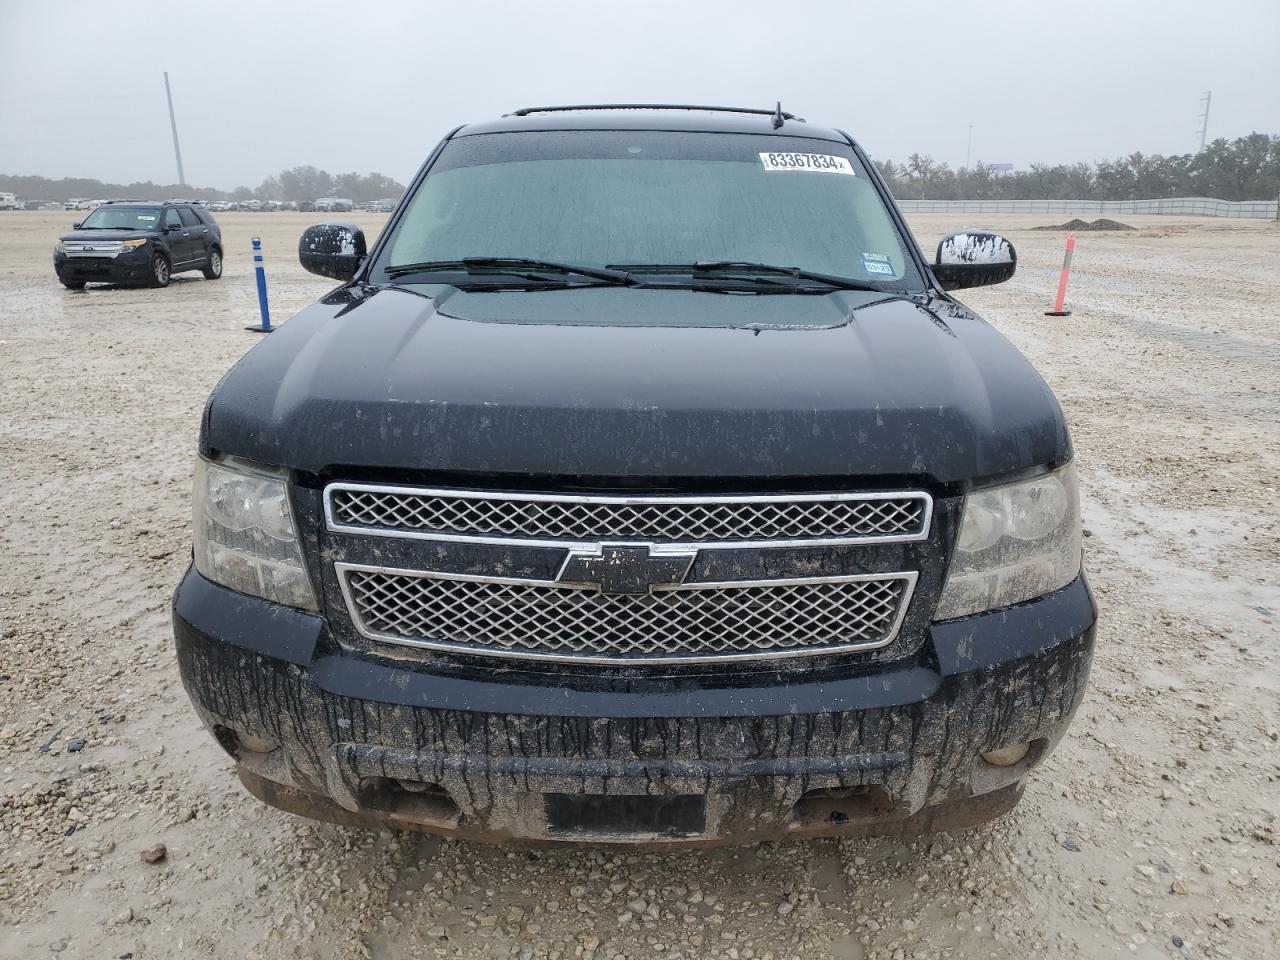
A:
x: 1175, y: 206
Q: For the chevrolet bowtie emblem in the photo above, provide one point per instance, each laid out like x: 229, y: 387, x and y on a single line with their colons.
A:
x: 625, y: 567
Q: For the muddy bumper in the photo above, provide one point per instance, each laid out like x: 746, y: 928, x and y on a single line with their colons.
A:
x: 131, y: 267
x: 326, y: 733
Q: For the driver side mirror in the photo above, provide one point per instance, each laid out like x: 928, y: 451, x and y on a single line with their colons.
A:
x: 974, y: 258
x: 332, y: 250
x: 76, y: 225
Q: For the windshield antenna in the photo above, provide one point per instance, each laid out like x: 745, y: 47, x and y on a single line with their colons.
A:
x: 778, y: 117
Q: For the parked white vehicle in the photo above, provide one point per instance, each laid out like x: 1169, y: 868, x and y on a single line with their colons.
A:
x: 9, y: 201
x: 333, y: 205
x: 76, y: 203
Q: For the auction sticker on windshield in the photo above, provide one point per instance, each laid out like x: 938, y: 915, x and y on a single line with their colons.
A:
x: 807, y: 162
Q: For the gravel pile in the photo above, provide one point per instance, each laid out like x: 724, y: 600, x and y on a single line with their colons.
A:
x: 1084, y: 226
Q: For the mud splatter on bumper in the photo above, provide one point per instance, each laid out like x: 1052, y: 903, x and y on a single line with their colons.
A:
x: 328, y: 734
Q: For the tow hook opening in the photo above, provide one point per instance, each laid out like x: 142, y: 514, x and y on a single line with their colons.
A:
x: 418, y: 801
x: 837, y: 805
x: 1025, y: 753
x: 237, y: 743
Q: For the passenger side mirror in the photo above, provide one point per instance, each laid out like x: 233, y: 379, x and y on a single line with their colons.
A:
x: 76, y: 226
x: 332, y: 250
x: 974, y: 258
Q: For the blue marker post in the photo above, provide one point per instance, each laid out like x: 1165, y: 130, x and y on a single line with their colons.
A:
x: 262, y: 289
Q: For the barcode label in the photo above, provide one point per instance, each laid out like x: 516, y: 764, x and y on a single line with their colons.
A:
x: 807, y: 163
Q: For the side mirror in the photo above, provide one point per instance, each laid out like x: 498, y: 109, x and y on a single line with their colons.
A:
x: 974, y: 258
x: 332, y: 250
x: 76, y: 226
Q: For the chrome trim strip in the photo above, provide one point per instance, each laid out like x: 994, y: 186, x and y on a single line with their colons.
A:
x: 343, y: 569
x: 332, y: 524
x: 92, y: 249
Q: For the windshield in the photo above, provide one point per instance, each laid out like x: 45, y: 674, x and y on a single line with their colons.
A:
x: 123, y: 218
x: 653, y: 198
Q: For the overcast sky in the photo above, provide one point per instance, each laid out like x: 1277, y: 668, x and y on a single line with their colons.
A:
x: 372, y: 86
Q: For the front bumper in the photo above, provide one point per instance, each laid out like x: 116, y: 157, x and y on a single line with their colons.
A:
x: 131, y: 267
x: 894, y: 749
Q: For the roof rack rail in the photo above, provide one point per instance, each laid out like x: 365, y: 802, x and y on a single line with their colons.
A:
x: 777, y: 112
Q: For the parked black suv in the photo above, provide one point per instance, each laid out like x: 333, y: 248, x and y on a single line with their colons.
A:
x: 641, y: 484
x: 134, y: 241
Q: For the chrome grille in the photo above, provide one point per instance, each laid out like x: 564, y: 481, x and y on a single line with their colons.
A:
x: 539, y: 620
x: 92, y: 248
x: 708, y: 521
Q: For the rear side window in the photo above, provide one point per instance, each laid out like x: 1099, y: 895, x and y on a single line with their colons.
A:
x: 171, y: 218
x: 189, y: 219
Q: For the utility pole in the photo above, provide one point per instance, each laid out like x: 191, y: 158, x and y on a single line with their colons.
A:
x: 177, y: 151
x: 968, y: 150
x: 1204, y: 117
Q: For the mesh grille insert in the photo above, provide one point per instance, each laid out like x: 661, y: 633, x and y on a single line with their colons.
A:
x: 532, y: 620
x: 738, y: 519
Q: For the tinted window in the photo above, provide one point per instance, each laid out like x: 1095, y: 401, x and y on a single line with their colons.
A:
x: 122, y: 218
x: 189, y: 219
x: 644, y: 197
x: 171, y: 218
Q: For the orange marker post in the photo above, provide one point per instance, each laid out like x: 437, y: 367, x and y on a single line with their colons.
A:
x: 1058, y: 310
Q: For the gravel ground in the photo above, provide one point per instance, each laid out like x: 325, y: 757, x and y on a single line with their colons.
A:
x: 1150, y: 833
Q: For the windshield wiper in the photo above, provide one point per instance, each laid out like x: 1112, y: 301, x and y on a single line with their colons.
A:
x: 514, y: 266
x: 747, y: 267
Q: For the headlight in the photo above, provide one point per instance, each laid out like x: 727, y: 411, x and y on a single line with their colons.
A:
x: 128, y: 245
x: 1017, y: 542
x: 245, y: 537
x: 59, y: 247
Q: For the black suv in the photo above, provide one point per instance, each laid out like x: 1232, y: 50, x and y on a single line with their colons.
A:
x: 133, y: 241
x: 641, y: 484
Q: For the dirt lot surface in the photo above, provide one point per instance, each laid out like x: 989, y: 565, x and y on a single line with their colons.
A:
x: 1150, y: 833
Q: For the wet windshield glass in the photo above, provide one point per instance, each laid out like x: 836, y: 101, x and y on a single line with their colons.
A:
x: 654, y: 198
x: 123, y: 218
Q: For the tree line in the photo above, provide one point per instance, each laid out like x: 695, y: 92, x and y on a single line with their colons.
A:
x: 296, y: 183
x: 1246, y: 168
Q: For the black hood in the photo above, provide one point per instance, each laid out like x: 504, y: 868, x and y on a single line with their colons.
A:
x: 676, y: 384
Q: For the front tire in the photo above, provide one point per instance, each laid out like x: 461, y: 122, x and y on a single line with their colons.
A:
x: 72, y: 284
x: 160, y: 270
x: 213, y: 268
